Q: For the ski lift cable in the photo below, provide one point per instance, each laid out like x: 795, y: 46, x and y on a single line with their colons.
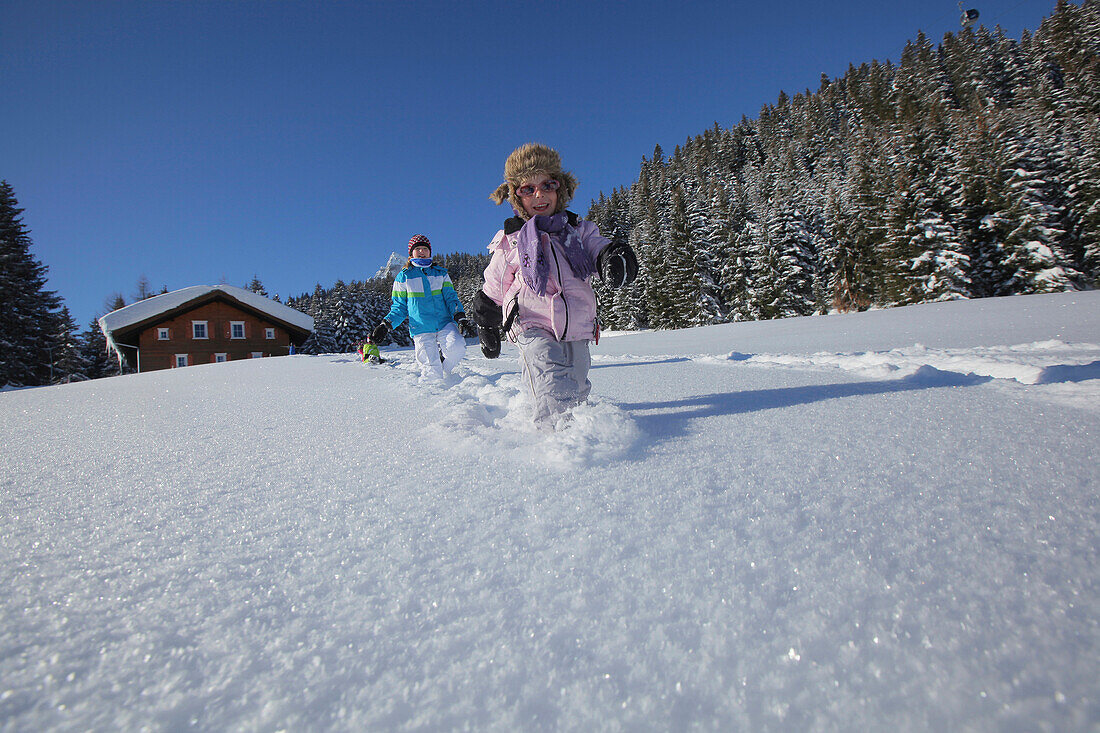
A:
x: 1003, y: 13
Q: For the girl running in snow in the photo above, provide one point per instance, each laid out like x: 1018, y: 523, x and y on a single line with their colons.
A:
x: 423, y: 293
x: 537, y: 284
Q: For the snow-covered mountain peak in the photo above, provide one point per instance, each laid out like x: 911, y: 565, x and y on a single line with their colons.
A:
x: 392, y: 267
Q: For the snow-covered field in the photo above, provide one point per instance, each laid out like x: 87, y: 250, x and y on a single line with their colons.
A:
x: 874, y: 521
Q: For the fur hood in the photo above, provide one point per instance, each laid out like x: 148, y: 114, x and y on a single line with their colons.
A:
x: 530, y: 160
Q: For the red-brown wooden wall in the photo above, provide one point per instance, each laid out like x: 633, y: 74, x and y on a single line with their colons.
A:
x: 157, y: 354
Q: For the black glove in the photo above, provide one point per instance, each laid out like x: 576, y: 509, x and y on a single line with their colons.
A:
x: 617, y: 264
x: 490, y: 341
x: 464, y: 326
x: 487, y: 314
x: 489, y: 319
x: 380, y: 332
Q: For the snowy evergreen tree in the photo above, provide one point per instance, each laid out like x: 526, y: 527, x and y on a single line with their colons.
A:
x: 790, y: 260
x: 1083, y: 191
x: 1036, y: 238
x: 938, y: 272
x: 29, y: 313
x: 680, y: 302
x: 705, y: 244
x: 344, y: 317
x: 322, y: 340
x: 256, y: 286
x: 67, y: 355
x: 851, y: 284
x: 93, y: 349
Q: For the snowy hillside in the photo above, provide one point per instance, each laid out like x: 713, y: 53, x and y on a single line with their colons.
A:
x: 885, y: 520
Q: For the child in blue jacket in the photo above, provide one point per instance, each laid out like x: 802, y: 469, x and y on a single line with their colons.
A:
x: 423, y: 293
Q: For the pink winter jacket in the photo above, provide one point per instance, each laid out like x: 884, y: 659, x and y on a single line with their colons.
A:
x: 568, y: 310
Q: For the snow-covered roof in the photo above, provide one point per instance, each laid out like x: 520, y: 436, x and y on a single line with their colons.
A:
x: 151, y: 307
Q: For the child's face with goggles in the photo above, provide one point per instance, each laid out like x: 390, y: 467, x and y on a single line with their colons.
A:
x: 539, y: 195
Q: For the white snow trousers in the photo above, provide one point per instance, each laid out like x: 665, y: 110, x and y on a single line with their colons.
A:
x: 429, y: 345
x: 555, y: 372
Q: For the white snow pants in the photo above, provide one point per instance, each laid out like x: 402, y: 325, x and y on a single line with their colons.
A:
x: 429, y: 345
x: 556, y: 374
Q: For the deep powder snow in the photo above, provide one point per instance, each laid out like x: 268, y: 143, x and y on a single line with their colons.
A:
x: 849, y: 522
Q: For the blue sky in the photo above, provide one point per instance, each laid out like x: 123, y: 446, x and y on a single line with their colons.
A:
x: 196, y: 142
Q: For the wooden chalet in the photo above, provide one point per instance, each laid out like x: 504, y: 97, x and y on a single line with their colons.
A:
x: 203, y: 325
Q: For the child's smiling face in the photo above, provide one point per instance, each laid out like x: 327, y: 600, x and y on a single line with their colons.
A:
x: 541, y: 202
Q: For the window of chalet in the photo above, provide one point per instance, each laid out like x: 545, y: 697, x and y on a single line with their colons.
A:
x: 181, y: 360
x: 221, y: 357
x: 198, y: 330
x: 257, y: 354
x: 236, y: 329
x: 269, y: 333
x: 162, y: 334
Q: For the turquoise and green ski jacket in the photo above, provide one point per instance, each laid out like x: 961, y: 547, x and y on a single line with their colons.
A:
x: 426, y: 296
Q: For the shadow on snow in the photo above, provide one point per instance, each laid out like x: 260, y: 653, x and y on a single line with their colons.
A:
x: 674, y: 414
x: 1070, y: 373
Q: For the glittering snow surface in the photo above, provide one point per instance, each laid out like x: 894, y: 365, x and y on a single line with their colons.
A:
x: 850, y: 522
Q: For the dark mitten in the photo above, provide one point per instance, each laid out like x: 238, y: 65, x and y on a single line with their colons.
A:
x: 464, y: 326
x: 489, y: 319
x: 490, y: 341
x: 487, y: 314
x: 380, y: 332
x: 617, y: 264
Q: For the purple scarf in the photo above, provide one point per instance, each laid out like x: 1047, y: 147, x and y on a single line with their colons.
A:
x: 534, y: 244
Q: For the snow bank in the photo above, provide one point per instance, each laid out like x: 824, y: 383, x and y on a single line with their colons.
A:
x: 839, y: 530
x: 1035, y: 363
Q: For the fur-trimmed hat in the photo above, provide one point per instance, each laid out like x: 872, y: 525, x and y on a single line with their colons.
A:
x: 527, y: 161
x: 419, y: 241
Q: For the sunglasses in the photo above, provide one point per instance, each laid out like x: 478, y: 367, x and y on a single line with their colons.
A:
x: 529, y: 190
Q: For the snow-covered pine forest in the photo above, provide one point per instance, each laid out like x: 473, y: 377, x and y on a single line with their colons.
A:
x: 969, y: 169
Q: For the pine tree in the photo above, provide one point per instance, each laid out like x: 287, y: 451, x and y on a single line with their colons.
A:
x: 1084, y: 192
x: 644, y: 240
x: 791, y: 261
x: 67, y: 356
x: 29, y: 312
x: 322, y: 340
x: 348, y: 319
x: 1036, y: 239
x: 736, y: 276
x: 720, y: 236
x: 705, y: 245
x: 114, y: 302
x: 851, y: 284
x: 256, y: 286
x: 93, y: 349
x: 680, y: 305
